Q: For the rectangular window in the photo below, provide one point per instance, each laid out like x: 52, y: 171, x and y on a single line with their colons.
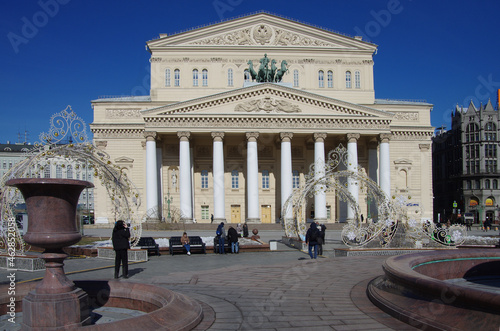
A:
x: 167, y: 77
x: 46, y: 172
x: 235, y: 184
x: 230, y: 77
x: 357, y: 79
x: 265, y: 180
x: 295, y: 179
x: 295, y: 78
x: 328, y: 212
x: 4, y: 165
x: 205, y: 215
x: 204, y: 179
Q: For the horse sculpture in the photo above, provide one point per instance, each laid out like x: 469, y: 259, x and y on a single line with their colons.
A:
x: 251, y: 70
x: 280, y: 72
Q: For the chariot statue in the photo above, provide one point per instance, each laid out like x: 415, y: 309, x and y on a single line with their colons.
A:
x: 266, y: 74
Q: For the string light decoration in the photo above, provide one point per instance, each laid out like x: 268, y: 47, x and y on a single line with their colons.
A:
x: 81, y: 157
x: 398, y: 222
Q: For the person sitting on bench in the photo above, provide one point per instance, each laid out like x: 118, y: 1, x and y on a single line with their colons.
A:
x: 185, y: 243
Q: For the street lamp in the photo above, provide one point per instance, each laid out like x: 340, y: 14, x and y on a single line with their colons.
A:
x: 169, y: 200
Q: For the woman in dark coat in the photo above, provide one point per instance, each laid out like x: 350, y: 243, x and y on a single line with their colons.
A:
x: 232, y: 236
x: 120, y: 238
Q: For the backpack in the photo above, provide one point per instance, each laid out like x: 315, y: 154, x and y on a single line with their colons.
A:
x: 314, y: 235
x: 218, y: 233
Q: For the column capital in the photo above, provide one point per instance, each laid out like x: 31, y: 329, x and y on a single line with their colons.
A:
x: 218, y: 136
x: 150, y: 135
x: 252, y: 136
x: 286, y: 136
x: 319, y: 137
x: 385, y: 137
x: 353, y: 137
x: 184, y: 135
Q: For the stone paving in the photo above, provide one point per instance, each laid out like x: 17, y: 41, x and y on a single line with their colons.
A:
x: 275, y: 290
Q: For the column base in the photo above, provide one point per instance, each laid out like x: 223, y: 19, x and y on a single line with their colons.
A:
x: 56, y: 311
x: 321, y: 220
x: 252, y: 220
x: 187, y: 220
x: 218, y: 220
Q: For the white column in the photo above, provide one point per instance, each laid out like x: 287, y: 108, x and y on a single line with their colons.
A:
x: 185, y: 177
x: 252, y: 178
x: 319, y: 172
x: 385, y: 164
x: 286, y: 171
x: 151, y: 171
x: 352, y: 165
x: 373, y: 175
x: 426, y: 181
x: 218, y: 166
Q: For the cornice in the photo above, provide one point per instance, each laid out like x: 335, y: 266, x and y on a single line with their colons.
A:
x: 252, y: 92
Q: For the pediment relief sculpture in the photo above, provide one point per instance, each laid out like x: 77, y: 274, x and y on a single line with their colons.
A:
x: 264, y: 34
x: 268, y: 105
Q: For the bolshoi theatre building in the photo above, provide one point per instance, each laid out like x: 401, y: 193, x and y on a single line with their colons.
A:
x: 238, y: 112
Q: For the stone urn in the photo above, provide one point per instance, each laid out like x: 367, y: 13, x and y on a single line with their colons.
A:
x: 51, y: 205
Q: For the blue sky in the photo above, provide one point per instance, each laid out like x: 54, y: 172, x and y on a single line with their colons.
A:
x: 55, y: 53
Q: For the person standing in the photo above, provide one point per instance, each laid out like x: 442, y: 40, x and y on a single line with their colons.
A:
x: 245, y: 230
x: 185, y: 243
x: 221, y: 235
x: 232, y: 236
x: 120, y: 239
x: 321, y: 239
x: 312, y: 236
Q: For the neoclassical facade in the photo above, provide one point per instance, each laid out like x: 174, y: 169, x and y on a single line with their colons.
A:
x: 211, y: 140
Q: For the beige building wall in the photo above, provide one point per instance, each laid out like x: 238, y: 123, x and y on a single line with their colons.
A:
x: 302, y: 106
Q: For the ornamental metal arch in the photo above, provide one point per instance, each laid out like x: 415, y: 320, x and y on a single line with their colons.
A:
x: 394, y: 213
x: 79, y: 157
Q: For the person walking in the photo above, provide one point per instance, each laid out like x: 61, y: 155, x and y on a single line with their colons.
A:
x: 120, y: 239
x: 312, y: 236
x: 321, y: 240
x: 221, y: 235
x: 185, y: 243
x: 232, y: 236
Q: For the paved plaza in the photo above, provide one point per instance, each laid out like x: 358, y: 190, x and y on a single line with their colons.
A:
x: 272, y: 290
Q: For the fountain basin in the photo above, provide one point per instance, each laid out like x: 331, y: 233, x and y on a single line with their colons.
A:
x: 417, y: 288
x: 165, y: 309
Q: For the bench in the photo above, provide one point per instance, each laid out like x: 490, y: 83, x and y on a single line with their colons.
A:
x: 150, y: 244
x: 227, y: 245
x: 195, y: 242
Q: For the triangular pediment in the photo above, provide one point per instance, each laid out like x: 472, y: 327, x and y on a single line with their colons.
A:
x: 262, y: 29
x: 266, y: 99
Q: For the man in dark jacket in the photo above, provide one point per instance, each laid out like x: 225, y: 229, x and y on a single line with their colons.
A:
x: 120, y: 238
x: 312, y: 236
x: 232, y: 236
x: 221, y: 236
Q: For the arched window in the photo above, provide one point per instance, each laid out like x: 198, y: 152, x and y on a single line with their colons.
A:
x: 235, y: 183
x: 204, y: 179
x: 69, y: 172
x: 177, y: 77
x: 295, y: 179
x: 348, y: 79
x: 230, y: 77
x: 167, y: 77
x: 330, y: 78
x: 295, y: 78
x: 321, y: 78
x: 495, y: 184
x: 46, y: 171
x: 472, y: 132
x: 265, y: 180
x: 59, y: 171
x: 487, y: 184
x: 195, y: 77
x: 204, y: 74
x: 357, y: 79
x: 247, y: 76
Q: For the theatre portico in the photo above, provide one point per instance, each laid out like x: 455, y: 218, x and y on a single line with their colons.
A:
x: 211, y: 140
